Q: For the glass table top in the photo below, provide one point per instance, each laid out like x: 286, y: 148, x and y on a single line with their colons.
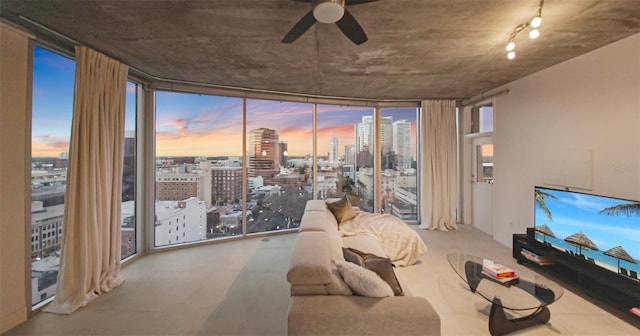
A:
x: 530, y: 291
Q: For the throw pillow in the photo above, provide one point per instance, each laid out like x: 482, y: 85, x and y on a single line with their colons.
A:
x: 363, y: 281
x: 353, y: 257
x: 380, y: 265
x: 342, y: 209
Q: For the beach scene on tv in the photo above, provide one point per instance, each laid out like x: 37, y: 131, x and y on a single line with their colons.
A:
x: 601, y: 230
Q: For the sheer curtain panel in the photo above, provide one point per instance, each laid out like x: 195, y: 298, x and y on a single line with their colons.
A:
x: 439, y: 165
x: 90, y: 257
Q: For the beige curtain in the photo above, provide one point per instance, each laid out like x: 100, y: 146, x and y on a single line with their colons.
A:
x: 439, y: 165
x: 90, y: 260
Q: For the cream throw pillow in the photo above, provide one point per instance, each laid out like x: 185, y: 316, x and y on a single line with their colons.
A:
x: 363, y: 281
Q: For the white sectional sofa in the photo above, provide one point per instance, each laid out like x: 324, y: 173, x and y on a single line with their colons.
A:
x: 323, y: 304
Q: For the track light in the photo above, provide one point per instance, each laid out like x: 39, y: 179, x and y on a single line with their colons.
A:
x: 531, y: 26
x: 536, y: 21
x: 510, y: 45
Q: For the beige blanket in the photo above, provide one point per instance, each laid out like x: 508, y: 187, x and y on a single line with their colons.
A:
x: 401, y: 243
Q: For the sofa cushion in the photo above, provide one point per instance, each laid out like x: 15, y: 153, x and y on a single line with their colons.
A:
x: 342, y: 209
x: 313, y: 221
x: 311, y: 271
x: 364, y: 243
x: 310, y: 262
x: 315, y: 205
x: 363, y: 281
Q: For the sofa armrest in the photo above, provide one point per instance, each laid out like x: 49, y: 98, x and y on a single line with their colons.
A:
x: 359, y: 315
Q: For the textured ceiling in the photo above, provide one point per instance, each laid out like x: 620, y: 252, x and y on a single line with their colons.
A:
x: 416, y: 49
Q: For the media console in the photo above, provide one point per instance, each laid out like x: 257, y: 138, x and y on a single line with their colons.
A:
x: 615, y: 290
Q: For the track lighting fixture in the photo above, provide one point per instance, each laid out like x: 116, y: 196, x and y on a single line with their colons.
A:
x: 533, y: 32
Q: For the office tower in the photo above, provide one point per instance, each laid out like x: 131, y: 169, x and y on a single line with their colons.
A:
x: 283, y: 150
x: 129, y: 167
x: 402, y: 143
x: 264, y: 159
x: 334, y: 150
x: 365, y: 134
x: 185, y: 181
x: 226, y: 183
x: 350, y: 155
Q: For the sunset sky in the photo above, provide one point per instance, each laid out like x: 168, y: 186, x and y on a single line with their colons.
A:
x: 193, y: 124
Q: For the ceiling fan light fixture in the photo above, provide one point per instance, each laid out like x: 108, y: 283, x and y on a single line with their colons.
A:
x: 328, y: 11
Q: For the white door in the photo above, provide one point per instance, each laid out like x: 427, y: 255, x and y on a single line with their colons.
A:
x: 482, y: 183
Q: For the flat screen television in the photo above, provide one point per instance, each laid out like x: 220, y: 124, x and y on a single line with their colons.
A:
x: 598, y: 229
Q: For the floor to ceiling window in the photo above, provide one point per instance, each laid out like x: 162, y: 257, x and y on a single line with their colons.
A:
x: 198, y: 169
x: 52, y: 112
x: 130, y: 162
x: 345, y: 136
x: 399, y: 190
x: 279, y: 163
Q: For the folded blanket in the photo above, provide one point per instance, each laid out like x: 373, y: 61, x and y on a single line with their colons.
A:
x: 401, y: 244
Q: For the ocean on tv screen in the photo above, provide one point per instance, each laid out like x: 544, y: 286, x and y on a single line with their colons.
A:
x: 601, y: 229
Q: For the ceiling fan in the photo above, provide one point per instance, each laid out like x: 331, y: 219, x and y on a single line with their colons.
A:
x: 330, y: 11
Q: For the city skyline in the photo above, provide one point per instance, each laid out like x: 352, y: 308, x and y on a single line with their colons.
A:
x: 193, y: 124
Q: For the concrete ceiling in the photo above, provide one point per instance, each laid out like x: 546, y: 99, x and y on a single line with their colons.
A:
x: 417, y: 48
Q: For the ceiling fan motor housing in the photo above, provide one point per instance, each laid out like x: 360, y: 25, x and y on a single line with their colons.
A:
x: 328, y: 11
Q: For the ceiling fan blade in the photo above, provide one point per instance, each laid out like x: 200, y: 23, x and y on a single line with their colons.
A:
x: 300, y: 28
x: 352, y: 28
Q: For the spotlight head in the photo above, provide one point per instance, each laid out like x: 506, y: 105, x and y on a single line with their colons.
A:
x: 536, y: 21
x: 510, y: 45
x: 534, y: 34
x: 511, y: 55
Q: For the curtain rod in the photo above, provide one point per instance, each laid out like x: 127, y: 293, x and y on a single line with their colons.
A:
x: 474, y: 100
x: 218, y: 86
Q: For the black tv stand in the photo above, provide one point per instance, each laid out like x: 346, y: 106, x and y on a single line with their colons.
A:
x: 614, y: 292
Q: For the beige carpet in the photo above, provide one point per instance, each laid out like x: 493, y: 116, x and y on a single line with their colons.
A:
x: 239, y: 288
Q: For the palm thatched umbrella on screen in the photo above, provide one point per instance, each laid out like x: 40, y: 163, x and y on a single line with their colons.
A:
x: 545, y: 231
x: 581, y: 240
x: 619, y: 253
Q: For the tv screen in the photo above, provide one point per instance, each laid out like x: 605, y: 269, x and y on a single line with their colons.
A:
x: 598, y: 229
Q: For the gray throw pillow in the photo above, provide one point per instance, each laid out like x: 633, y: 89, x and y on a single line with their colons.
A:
x: 380, y: 265
x: 353, y: 257
x: 342, y: 209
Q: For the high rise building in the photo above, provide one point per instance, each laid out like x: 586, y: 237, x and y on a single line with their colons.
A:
x: 283, y: 150
x: 402, y: 143
x: 264, y: 157
x: 334, y: 150
x: 365, y: 134
x: 181, y: 182
x: 350, y: 155
x: 226, y: 184
x: 129, y: 167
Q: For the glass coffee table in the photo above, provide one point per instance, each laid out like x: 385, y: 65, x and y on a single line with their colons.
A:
x: 529, y: 292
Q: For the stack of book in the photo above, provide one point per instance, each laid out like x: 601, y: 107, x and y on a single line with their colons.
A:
x: 499, y: 273
x: 538, y: 259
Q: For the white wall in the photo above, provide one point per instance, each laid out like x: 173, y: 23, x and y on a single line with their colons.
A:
x: 590, y: 104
